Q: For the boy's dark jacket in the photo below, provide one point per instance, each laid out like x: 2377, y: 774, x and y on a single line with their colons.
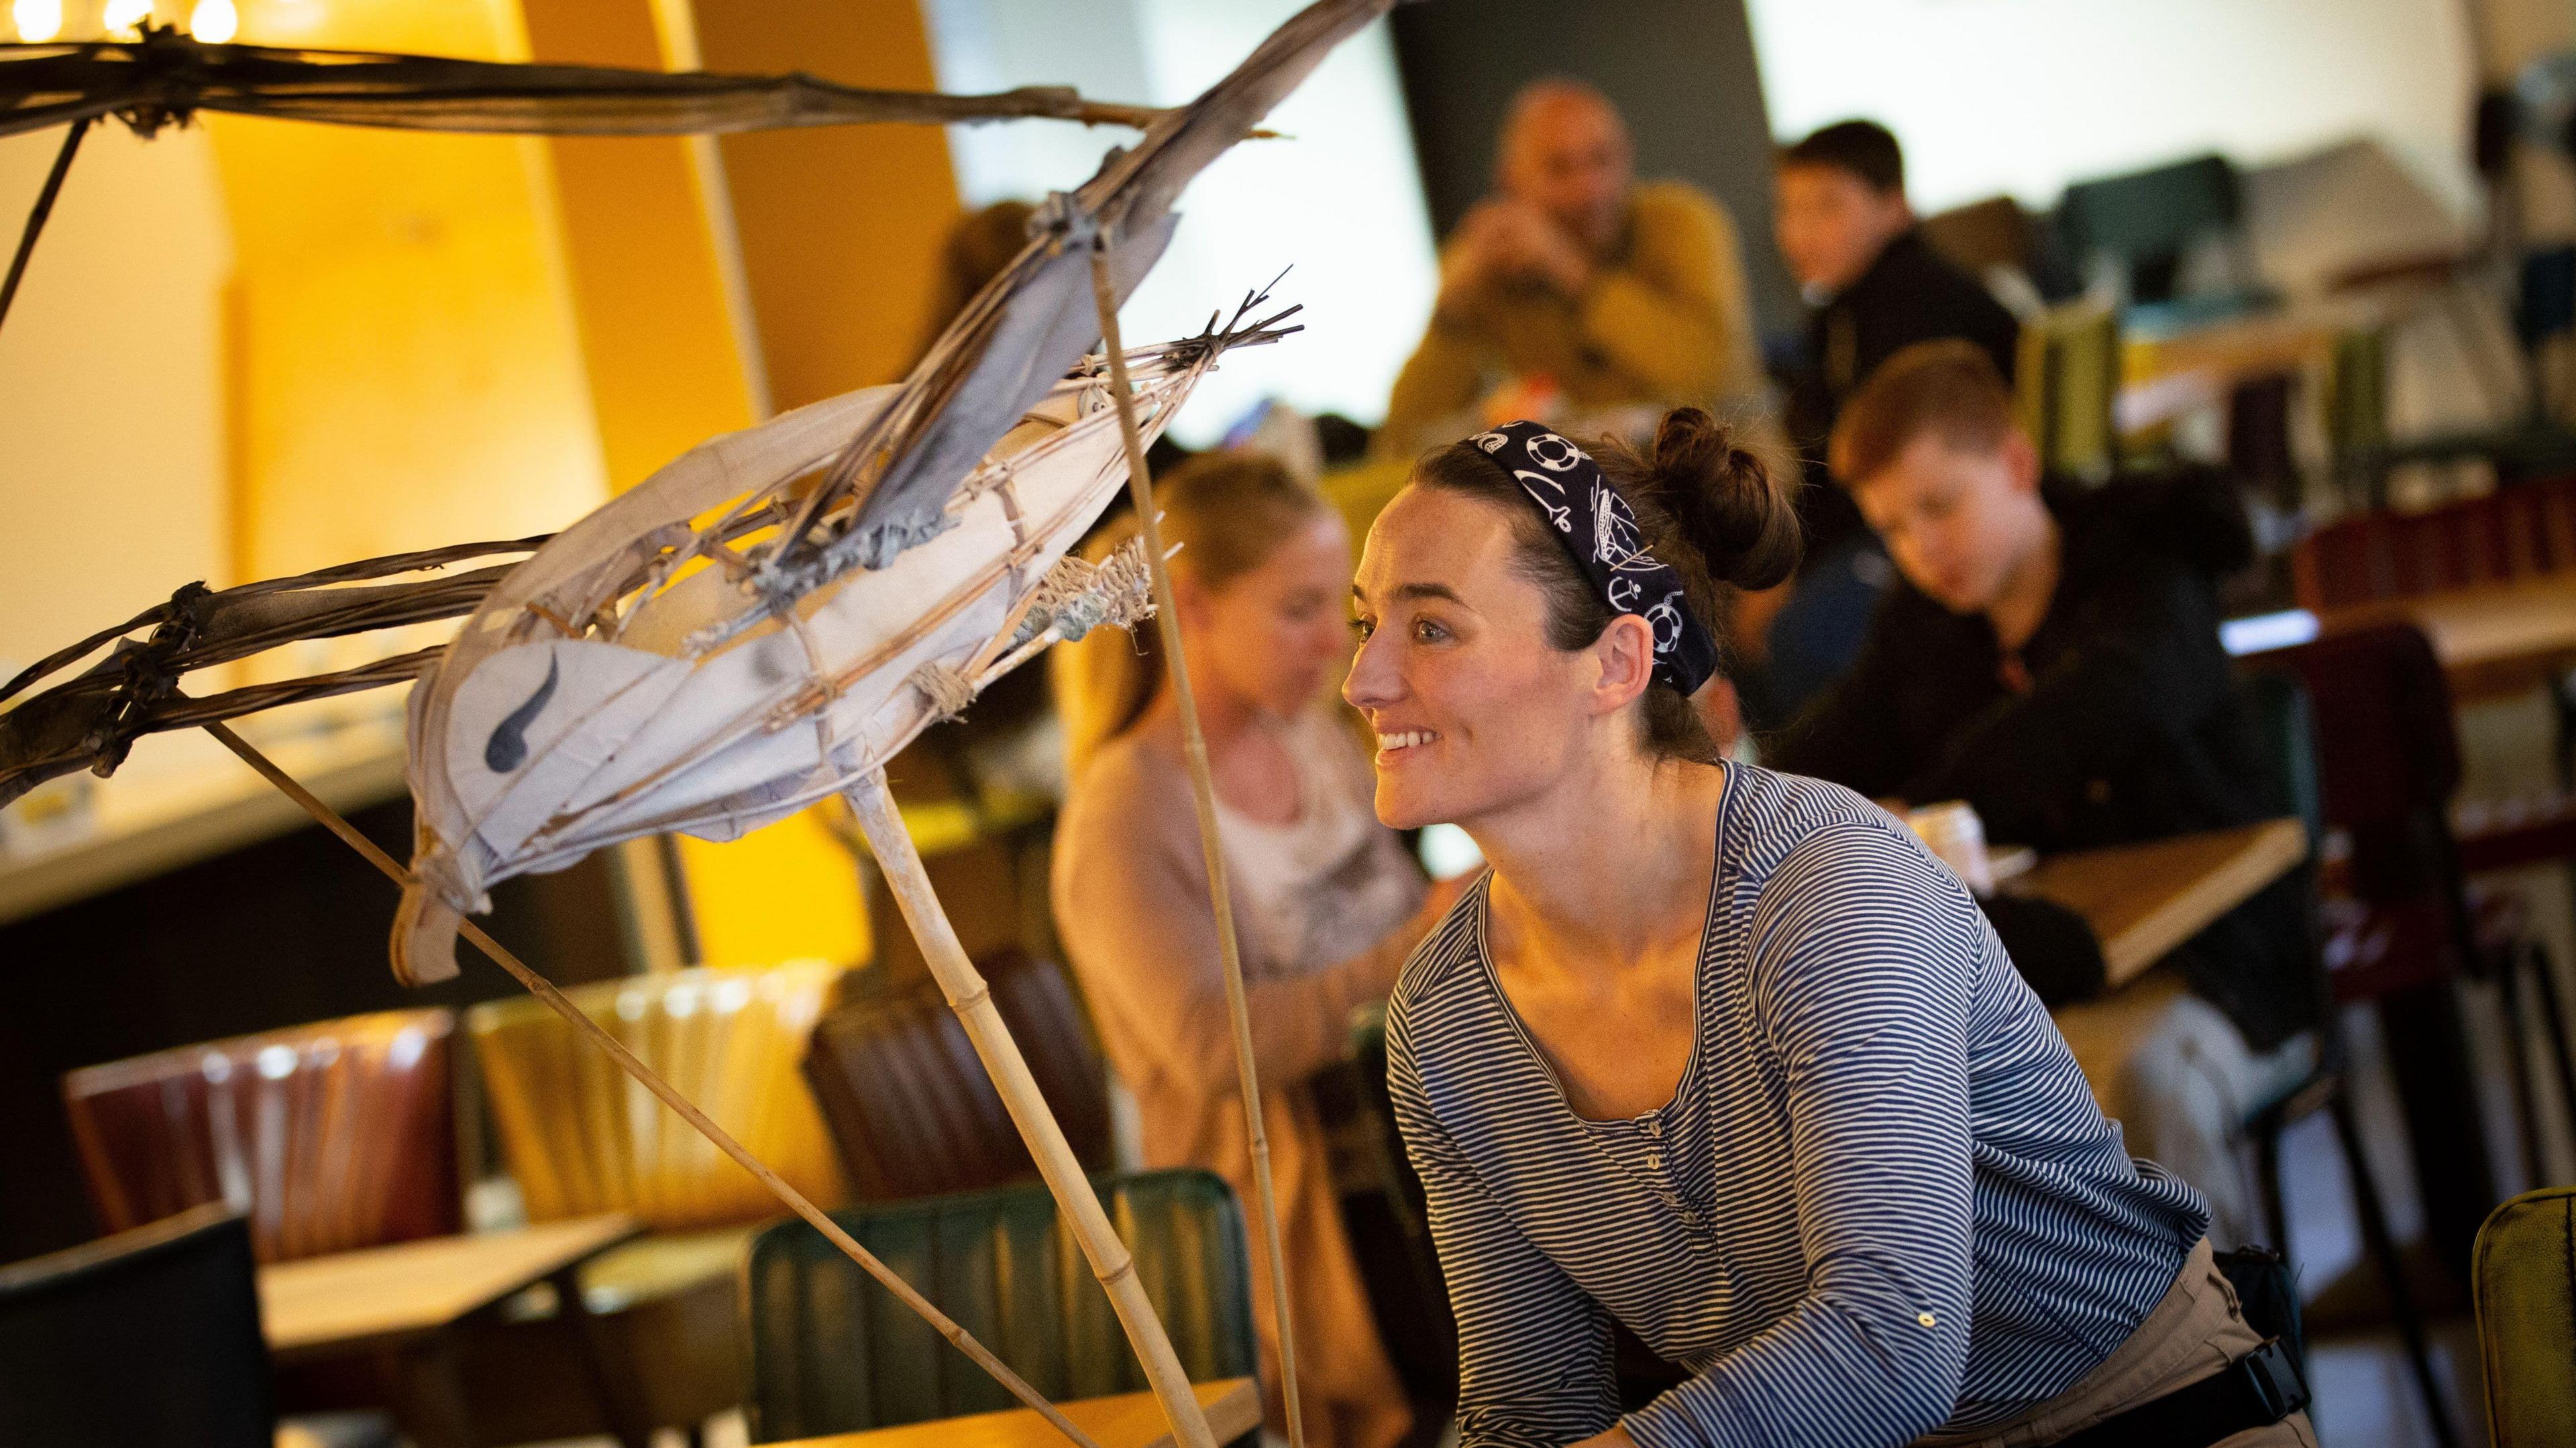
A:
x: 2131, y: 727
x: 1910, y: 294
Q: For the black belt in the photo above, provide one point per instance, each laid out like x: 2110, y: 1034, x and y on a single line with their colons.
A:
x: 2255, y: 1391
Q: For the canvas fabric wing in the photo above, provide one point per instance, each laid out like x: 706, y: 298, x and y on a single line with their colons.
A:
x: 641, y: 728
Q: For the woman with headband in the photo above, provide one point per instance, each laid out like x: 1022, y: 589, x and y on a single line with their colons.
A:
x: 1721, y: 1054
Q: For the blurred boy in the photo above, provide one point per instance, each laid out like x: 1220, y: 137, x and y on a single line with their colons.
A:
x: 1850, y: 239
x: 2052, y: 657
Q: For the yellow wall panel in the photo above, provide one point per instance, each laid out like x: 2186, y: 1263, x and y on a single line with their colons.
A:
x: 653, y: 268
x: 408, y: 373
x: 112, y: 442
x: 786, y: 892
x: 657, y: 290
x: 841, y: 227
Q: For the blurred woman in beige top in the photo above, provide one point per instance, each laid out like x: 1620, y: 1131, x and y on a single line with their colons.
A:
x: 1327, y: 903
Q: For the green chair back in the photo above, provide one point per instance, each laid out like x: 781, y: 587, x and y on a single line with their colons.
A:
x: 833, y: 1352
x: 2524, y: 1281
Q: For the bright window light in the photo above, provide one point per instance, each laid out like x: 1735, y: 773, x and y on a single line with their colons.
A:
x: 1339, y: 200
x: 124, y: 18
x: 2023, y: 96
x: 214, y: 21
x: 38, y: 20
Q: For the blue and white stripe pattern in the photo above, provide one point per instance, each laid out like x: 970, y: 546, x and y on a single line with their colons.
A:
x: 1882, y: 1201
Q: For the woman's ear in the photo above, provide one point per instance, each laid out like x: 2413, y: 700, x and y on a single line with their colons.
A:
x: 1626, y: 653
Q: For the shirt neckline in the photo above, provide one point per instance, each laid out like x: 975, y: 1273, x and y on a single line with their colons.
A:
x: 1699, y: 963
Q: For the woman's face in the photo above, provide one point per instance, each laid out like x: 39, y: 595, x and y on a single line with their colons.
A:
x: 1475, y: 711
x: 1270, y: 635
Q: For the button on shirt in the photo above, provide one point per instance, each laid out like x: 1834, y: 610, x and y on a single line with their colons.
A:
x: 1881, y: 1202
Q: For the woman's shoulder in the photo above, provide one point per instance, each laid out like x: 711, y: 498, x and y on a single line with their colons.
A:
x: 1132, y: 785
x: 1771, y: 815
x: 1826, y: 865
x: 1441, y: 969
x: 1825, y: 841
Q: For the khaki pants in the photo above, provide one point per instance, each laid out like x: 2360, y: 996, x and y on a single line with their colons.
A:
x: 2193, y: 1333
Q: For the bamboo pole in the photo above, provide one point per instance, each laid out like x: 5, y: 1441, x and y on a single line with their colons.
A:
x: 1167, y: 615
x: 972, y: 1000
x: 651, y: 1080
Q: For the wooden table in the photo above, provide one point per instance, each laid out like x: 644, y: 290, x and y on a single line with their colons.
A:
x: 2161, y: 378
x: 402, y: 1302
x: 2493, y: 641
x: 2143, y: 900
x: 1130, y: 1420
x: 323, y: 1305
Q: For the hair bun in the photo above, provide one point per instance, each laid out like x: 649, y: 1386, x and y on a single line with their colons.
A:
x: 1726, y: 499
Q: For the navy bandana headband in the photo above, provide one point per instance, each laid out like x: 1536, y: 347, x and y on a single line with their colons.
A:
x: 1599, y: 531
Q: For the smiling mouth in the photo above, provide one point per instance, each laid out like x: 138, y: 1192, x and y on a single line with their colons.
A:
x: 1409, y: 739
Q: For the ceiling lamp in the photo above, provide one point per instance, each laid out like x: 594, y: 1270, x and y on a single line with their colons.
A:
x: 214, y: 21
x: 38, y: 20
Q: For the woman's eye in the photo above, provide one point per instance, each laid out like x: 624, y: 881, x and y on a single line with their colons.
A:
x: 1363, y: 627
x: 1428, y: 632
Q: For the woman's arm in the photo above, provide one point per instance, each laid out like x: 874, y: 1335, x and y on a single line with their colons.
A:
x: 1534, y: 1350
x: 1131, y: 902
x: 1863, y: 958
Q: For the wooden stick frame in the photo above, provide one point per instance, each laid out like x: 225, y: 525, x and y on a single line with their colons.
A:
x: 651, y: 1080
x: 972, y: 1000
x: 1167, y: 615
x: 970, y: 997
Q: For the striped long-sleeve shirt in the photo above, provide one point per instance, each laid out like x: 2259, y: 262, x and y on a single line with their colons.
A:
x: 1881, y: 1201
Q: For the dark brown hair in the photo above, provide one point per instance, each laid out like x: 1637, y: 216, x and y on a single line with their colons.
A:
x: 1864, y: 150
x: 1705, y: 505
x: 1950, y: 388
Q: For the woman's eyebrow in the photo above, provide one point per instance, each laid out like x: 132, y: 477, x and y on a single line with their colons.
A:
x: 1359, y: 595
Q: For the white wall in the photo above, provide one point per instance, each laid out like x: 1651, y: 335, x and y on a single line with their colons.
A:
x: 113, y: 475
x: 1340, y: 200
x: 2023, y: 96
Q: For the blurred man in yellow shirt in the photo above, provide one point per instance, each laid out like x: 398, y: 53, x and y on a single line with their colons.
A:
x: 1575, y: 291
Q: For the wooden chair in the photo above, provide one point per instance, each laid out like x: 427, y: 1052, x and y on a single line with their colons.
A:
x: 582, y: 1139
x: 2524, y: 1283
x: 329, y: 1137
x: 2391, y: 769
x: 146, y: 1339
x: 831, y: 1352
x: 2279, y: 705
x: 2518, y: 532
x: 2512, y: 534
x: 1983, y: 236
x: 913, y: 1111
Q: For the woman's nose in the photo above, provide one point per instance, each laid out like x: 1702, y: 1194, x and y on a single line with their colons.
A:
x: 1372, y: 681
